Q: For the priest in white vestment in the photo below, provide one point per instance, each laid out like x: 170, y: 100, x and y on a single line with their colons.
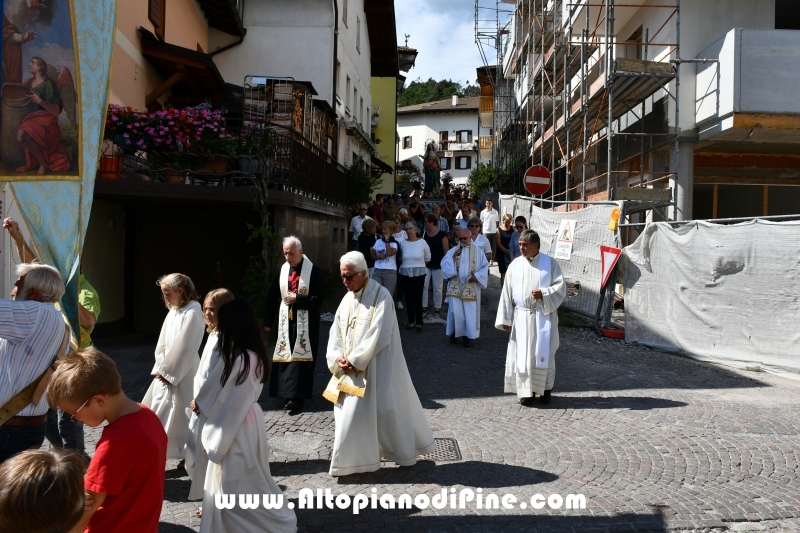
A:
x: 468, y: 269
x: 534, y: 288
x: 170, y: 393
x: 233, y: 438
x: 376, y: 408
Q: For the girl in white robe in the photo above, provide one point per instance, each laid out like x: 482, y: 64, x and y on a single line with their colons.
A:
x: 170, y: 392
x: 196, y: 457
x: 233, y: 434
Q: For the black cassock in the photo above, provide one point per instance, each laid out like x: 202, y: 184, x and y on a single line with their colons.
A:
x: 296, y: 380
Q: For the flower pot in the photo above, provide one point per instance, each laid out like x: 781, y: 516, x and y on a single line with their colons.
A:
x: 110, y: 167
x: 248, y: 164
x: 215, y: 166
x: 175, y: 177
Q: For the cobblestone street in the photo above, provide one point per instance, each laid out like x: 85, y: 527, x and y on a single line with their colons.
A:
x: 653, y: 440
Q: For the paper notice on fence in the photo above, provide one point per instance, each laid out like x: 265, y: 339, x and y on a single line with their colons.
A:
x: 566, y: 235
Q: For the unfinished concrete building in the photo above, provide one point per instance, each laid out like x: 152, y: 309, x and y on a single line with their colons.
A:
x: 692, y: 99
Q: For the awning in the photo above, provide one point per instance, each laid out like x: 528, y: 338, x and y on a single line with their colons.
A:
x: 377, y: 164
x: 192, y: 76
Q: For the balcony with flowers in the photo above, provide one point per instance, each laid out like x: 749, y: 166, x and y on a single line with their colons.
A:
x: 283, y: 142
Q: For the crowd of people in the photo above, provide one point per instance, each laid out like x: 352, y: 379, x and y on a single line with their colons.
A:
x: 202, y: 405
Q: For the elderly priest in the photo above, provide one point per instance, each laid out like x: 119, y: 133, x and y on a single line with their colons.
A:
x: 294, y: 297
x: 468, y: 271
x: 534, y: 288
x: 376, y: 408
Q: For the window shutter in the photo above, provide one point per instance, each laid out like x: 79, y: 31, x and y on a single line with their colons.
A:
x: 469, y: 136
x: 469, y: 161
x: 155, y: 12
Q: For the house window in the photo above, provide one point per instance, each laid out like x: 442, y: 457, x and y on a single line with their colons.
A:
x: 338, y: 70
x: 787, y: 15
x: 445, y: 163
x: 463, y: 162
x: 344, y: 12
x: 355, y: 103
x: 347, y: 95
x: 464, y: 136
x: 444, y: 136
x: 358, y: 34
x: 155, y: 12
x: 361, y: 114
x: 335, y: 235
x: 407, y: 142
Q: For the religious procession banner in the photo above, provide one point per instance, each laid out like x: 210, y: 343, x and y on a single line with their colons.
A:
x: 56, y: 65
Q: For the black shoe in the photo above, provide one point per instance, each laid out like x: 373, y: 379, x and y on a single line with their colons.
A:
x: 466, y: 342
x: 286, y: 404
x: 527, y: 402
x: 452, y: 337
x: 546, y: 397
x: 294, y: 406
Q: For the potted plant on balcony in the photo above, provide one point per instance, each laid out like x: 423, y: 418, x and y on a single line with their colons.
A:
x: 117, y: 133
x: 255, y: 149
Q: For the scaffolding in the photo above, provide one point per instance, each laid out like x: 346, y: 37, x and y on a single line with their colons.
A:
x: 571, y: 95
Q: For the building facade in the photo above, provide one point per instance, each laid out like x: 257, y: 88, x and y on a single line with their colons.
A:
x: 691, y: 97
x: 179, y: 53
x: 452, y: 125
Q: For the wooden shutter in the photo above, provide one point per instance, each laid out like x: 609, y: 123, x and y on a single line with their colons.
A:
x: 469, y: 136
x: 444, y: 137
x: 155, y: 12
x: 469, y: 159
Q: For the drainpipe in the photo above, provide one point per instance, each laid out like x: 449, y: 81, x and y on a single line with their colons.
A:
x: 335, y: 51
x: 235, y: 43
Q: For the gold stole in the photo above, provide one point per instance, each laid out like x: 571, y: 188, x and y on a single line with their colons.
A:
x: 302, y: 345
x: 341, y: 383
x: 465, y: 291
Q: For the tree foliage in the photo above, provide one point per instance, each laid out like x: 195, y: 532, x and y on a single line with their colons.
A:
x: 422, y: 92
x: 361, y: 184
x: 481, y: 179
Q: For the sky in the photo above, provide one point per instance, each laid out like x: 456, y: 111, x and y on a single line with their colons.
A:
x: 443, y: 31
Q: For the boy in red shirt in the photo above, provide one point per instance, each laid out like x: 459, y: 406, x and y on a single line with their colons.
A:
x: 125, y: 480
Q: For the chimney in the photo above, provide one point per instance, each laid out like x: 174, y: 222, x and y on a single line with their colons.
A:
x: 455, y: 100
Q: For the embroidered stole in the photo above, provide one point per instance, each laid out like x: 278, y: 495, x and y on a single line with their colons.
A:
x: 543, y: 321
x: 464, y: 291
x: 341, y: 382
x: 302, y: 345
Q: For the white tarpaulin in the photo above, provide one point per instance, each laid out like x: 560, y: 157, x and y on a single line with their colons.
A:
x: 590, y: 231
x: 726, y: 293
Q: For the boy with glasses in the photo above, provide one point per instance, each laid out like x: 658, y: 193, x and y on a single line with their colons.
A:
x: 125, y: 480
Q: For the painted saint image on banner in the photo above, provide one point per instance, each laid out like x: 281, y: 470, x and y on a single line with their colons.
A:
x: 39, y: 133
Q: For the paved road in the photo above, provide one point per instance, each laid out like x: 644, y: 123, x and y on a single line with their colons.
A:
x: 654, y: 441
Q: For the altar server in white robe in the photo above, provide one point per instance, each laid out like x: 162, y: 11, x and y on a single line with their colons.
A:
x: 233, y: 434
x: 376, y: 408
x: 210, y: 368
x: 468, y: 270
x: 534, y: 288
x: 170, y: 393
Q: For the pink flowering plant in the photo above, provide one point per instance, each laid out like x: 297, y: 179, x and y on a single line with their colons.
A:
x: 179, y: 138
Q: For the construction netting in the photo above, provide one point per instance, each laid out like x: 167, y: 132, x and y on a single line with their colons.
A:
x: 582, y: 270
x: 726, y: 293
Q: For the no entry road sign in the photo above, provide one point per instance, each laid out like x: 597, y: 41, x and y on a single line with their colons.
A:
x: 537, y: 180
